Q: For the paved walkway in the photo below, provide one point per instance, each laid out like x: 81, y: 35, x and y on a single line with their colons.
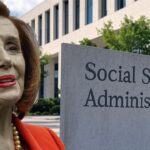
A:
x: 52, y: 122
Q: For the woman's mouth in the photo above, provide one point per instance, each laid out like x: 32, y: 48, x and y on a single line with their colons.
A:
x: 7, y: 81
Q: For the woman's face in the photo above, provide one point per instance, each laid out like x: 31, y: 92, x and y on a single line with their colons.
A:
x: 12, y: 64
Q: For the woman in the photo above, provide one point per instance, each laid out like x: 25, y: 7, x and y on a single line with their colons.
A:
x: 19, y: 83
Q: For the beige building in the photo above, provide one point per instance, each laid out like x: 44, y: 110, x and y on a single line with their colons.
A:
x: 66, y: 21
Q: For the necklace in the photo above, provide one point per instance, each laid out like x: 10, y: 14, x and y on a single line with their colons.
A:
x: 16, y: 138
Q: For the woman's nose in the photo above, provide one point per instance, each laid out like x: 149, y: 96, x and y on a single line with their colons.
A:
x: 5, y: 60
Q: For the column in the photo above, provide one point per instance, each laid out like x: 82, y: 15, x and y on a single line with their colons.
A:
x: 111, y: 6
x: 71, y: 15
x: 82, y: 13
x: 52, y: 23
x: 128, y: 2
x: 95, y: 10
x: 49, y: 83
x: 36, y: 27
x: 43, y: 28
x: 61, y: 21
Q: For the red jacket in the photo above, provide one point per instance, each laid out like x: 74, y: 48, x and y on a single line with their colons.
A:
x: 38, y: 138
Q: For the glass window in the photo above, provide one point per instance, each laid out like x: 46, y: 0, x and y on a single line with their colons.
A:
x: 40, y: 29
x: 89, y: 11
x: 33, y: 24
x: 103, y: 8
x: 55, y: 87
x: 77, y: 14
x: 56, y: 67
x: 56, y: 21
x: 120, y: 4
x: 47, y: 26
x: 41, y: 91
x: 56, y: 80
x: 66, y: 16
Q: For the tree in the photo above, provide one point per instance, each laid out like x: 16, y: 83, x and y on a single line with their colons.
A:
x: 133, y: 36
x: 87, y: 42
x: 44, y: 60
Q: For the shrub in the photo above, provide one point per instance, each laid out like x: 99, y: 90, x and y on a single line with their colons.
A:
x: 43, y: 106
x: 55, y: 110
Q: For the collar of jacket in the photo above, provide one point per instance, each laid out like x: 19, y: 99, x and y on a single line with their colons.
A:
x: 25, y: 134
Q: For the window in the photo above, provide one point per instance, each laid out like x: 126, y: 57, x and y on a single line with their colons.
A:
x: 56, y: 80
x: 103, y: 7
x: 56, y: 21
x: 33, y: 25
x: 120, y: 4
x: 47, y: 26
x: 77, y: 14
x: 40, y: 29
x: 66, y: 16
x: 41, y: 91
x: 89, y: 11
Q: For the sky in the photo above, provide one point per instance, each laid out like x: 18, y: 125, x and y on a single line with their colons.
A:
x: 19, y: 7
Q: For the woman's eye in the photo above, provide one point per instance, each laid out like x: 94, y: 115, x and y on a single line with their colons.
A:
x: 11, y: 47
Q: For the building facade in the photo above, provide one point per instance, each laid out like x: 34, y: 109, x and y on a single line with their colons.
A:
x: 67, y: 21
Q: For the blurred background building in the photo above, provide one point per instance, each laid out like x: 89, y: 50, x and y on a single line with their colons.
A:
x: 69, y: 21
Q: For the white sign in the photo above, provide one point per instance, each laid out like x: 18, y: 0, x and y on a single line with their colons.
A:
x: 105, y: 99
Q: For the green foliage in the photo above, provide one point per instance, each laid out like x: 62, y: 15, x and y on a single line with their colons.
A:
x: 87, y: 42
x: 49, y: 106
x: 56, y: 110
x: 132, y: 35
x: 44, y: 60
